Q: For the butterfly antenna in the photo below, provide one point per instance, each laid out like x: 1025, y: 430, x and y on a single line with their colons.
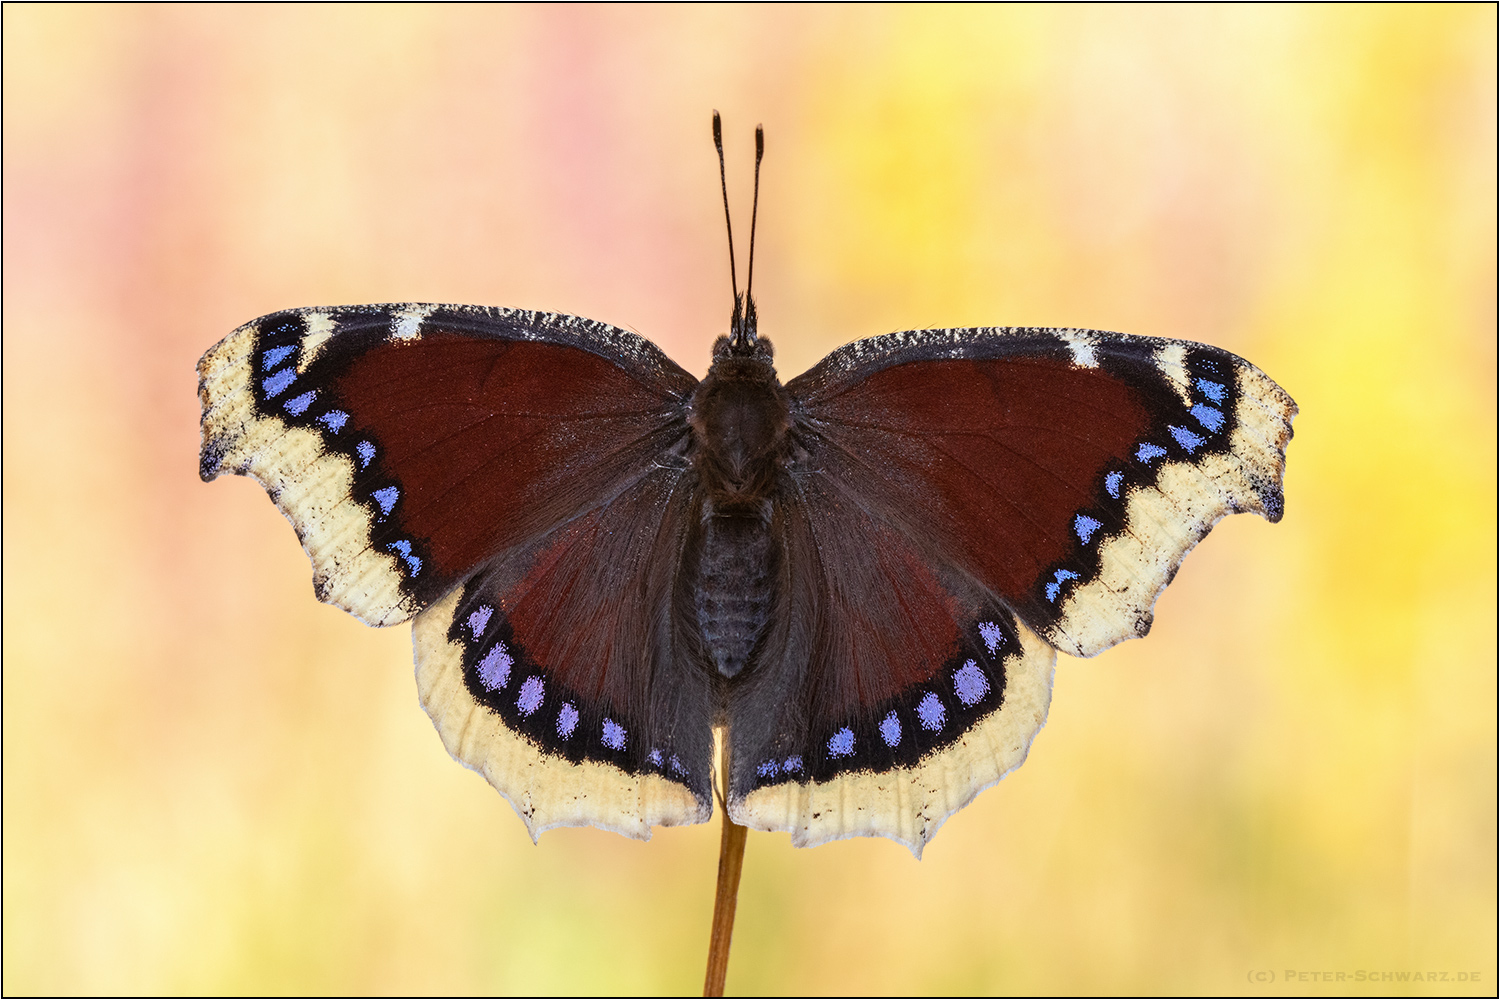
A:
x: 734, y: 322
x: 760, y: 151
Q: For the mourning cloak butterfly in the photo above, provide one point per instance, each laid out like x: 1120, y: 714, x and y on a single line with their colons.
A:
x: 863, y: 574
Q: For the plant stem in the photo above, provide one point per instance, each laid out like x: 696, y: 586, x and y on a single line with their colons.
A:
x: 731, y: 860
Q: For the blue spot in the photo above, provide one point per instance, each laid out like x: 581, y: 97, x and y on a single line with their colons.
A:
x: 567, y: 720
x: 970, y: 684
x: 676, y: 766
x: 1213, y: 390
x: 1085, y: 526
x: 1208, y: 416
x: 403, y: 548
x: 479, y: 619
x: 1112, y: 484
x: 334, y: 420
x: 530, y: 700
x: 275, y: 356
x: 1058, y: 579
x: 387, y: 498
x: 366, y: 453
x: 614, y: 735
x: 931, y: 713
x: 1190, y: 441
x: 990, y: 633
x: 1147, y: 452
x: 768, y: 769
x: 791, y: 764
x: 298, y: 405
x: 275, y: 384
x: 654, y: 757
x: 841, y: 743
x: 890, y: 730
x: 494, y: 669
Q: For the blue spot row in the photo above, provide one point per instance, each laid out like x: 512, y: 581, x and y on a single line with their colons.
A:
x: 278, y: 382
x: 971, y: 685
x: 1208, y: 417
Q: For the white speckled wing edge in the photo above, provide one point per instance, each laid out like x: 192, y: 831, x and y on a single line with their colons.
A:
x: 546, y: 791
x: 1165, y: 520
x: 310, y: 485
x: 909, y: 804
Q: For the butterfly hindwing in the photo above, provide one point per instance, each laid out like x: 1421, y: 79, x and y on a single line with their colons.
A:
x: 1069, y: 471
x: 557, y: 674
x: 893, y: 692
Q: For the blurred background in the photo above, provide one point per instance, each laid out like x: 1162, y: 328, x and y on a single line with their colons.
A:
x: 212, y: 783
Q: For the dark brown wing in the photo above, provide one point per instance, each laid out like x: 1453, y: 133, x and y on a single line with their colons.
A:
x: 1068, y: 471
x: 558, y: 672
x: 960, y: 503
x: 891, y: 689
x: 512, y: 470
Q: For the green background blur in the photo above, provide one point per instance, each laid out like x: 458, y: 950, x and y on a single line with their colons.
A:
x: 212, y: 783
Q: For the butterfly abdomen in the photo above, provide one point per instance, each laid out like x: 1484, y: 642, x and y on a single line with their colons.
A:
x: 736, y: 583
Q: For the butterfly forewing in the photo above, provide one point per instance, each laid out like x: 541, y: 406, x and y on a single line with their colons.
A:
x: 408, y: 444
x: 1069, y: 471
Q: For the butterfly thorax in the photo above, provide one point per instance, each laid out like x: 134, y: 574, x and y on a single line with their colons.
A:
x: 740, y: 421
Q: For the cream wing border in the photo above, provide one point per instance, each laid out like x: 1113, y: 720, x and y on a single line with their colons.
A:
x: 545, y: 791
x: 909, y: 804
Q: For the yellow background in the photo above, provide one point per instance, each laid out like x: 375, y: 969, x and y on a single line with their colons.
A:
x: 213, y: 783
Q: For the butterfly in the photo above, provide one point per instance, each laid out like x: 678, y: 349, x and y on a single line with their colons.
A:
x: 863, y: 575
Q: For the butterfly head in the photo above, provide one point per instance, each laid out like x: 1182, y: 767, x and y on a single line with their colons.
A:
x: 742, y: 341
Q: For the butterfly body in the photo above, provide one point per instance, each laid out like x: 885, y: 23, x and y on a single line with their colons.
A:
x: 862, y: 575
x: 740, y: 420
